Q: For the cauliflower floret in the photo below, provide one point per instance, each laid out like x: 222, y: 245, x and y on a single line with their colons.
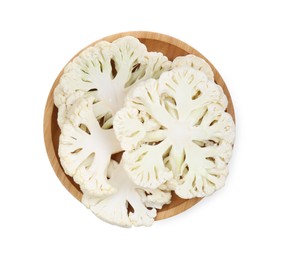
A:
x: 194, y: 62
x: 85, y: 148
x: 108, y: 71
x: 114, y: 208
x: 132, y: 120
x: 190, y: 148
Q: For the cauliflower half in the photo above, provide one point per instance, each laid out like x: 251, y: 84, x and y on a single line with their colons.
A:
x: 176, y: 133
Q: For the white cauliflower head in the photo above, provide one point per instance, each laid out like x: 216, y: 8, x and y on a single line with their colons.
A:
x: 115, y: 208
x: 176, y: 132
x: 86, y: 145
x: 107, y: 70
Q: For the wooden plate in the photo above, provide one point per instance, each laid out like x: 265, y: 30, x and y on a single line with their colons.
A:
x: 170, y: 47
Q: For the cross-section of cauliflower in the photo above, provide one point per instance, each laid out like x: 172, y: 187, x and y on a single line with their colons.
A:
x: 114, y: 208
x: 176, y: 132
x: 107, y: 70
x: 86, y: 145
x: 194, y: 62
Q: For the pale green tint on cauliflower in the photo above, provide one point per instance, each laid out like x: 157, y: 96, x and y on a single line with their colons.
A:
x: 176, y: 133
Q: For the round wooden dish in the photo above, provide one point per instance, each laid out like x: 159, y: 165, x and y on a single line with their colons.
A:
x: 170, y: 47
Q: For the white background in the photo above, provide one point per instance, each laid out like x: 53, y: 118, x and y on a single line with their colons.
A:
x: 39, y: 219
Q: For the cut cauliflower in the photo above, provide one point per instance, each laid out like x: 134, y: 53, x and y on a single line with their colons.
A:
x: 195, y: 63
x: 176, y: 132
x: 107, y: 70
x: 114, y: 208
x: 86, y: 146
x: 166, y: 119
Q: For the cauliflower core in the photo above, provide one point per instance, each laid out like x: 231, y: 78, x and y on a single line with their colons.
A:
x: 176, y: 132
x: 114, y: 208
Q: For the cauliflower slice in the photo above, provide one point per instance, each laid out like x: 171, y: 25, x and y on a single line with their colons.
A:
x: 86, y: 146
x: 107, y: 70
x: 176, y: 132
x: 194, y: 62
x: 114, y: 208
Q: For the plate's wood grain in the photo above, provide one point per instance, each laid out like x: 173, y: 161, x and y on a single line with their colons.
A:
x: 170, y: 47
